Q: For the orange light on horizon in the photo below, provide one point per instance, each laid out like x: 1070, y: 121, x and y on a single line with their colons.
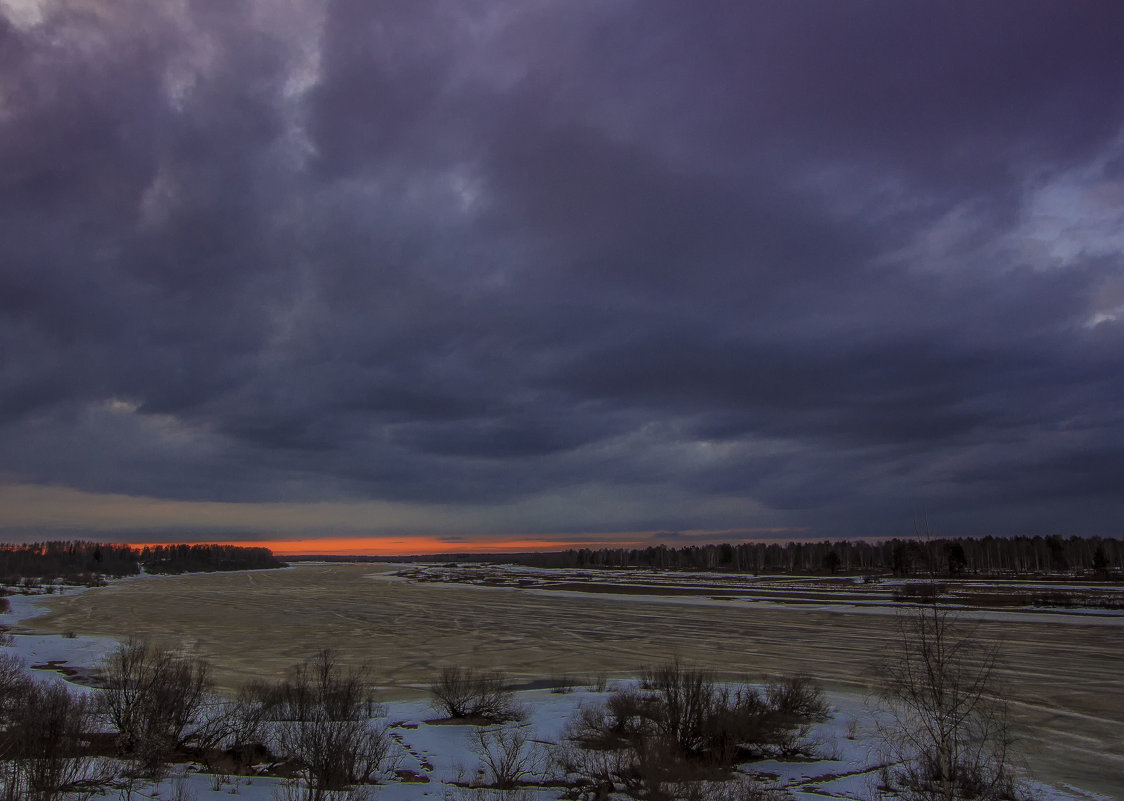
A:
x: 426, y: 544
x: 402, y: 546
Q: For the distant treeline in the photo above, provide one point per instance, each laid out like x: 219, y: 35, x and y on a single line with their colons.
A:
x: 205, y: 558
x: 82, y: 562
x: 75, y: 562
x: 903, y: 557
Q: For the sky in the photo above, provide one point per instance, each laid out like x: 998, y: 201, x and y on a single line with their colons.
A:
x: 459, y: 274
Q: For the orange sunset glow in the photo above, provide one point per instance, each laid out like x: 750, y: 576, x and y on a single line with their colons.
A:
x: 434, y: 544
x: 394, y: 546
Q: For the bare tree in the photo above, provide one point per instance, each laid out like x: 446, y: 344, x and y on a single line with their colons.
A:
x: 325, y: 723
x: 158, y: 702
x: 462, y: 692
x: 943, y: 725
x: 13, y: 681
x: 48, y: 755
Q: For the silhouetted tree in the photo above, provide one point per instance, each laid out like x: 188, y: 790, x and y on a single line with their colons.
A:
x: 158, y: 703
x: 955, y: 557
x: 945, y: 727
x: 46, y: 754
x: 1100, y: 560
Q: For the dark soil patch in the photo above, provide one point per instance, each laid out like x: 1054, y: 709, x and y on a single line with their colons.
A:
x: 411, y: 777
x: 59, y: 666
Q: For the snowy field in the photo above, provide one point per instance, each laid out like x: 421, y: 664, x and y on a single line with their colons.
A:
x: 440, y: 760
x: 443, y: 755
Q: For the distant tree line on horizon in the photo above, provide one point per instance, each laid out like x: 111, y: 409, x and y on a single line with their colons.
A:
x: 977, y: 556
x: 205, y: 558
x: 79, y: 562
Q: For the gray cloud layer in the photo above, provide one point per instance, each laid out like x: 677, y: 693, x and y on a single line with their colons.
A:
x: 807, y: 264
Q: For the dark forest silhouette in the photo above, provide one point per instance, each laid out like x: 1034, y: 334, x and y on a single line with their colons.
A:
x: 79, y: 562
x: 977, y: 556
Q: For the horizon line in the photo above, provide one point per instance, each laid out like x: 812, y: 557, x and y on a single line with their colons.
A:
x: 433, y: 545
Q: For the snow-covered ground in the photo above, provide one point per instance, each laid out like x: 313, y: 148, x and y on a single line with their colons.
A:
x: 78, y: 652
x: 443, y: 755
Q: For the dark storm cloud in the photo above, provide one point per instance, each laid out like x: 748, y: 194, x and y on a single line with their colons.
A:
x: 612, y: 265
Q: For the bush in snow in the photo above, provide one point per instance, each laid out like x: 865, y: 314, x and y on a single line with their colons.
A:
x: 325, y: 724
x: 45, y: 753
x: 159, y: 703
x: 462, y: 692
x: 508, y: 756
x: 681, y: 727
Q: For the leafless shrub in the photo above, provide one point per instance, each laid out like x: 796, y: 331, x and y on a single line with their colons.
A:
x: 507, y: 755
x: 462, y: 692
x: 563, y: 685
x: 181, y: 791
x: 599, y: 682
x: 797, y: 697
x: 683, y: 705
x: 592, y: 769
x: 244, y: 723
x: 627, y: 711
x: 591, y: 727
x: 740, y: 788
x: 325, y: 724
x: 640, y: 769
x: 47, y: 755
x: 13, y: 681
x: 158, y: 702
x: 791, y: 705
x: 235, y: 732
x: 488, y: 794
x: 683, y: 727
x: 295, y: 790
x: 289, y: 790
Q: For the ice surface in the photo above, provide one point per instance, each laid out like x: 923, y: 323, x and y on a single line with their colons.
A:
x: 443, y: 753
